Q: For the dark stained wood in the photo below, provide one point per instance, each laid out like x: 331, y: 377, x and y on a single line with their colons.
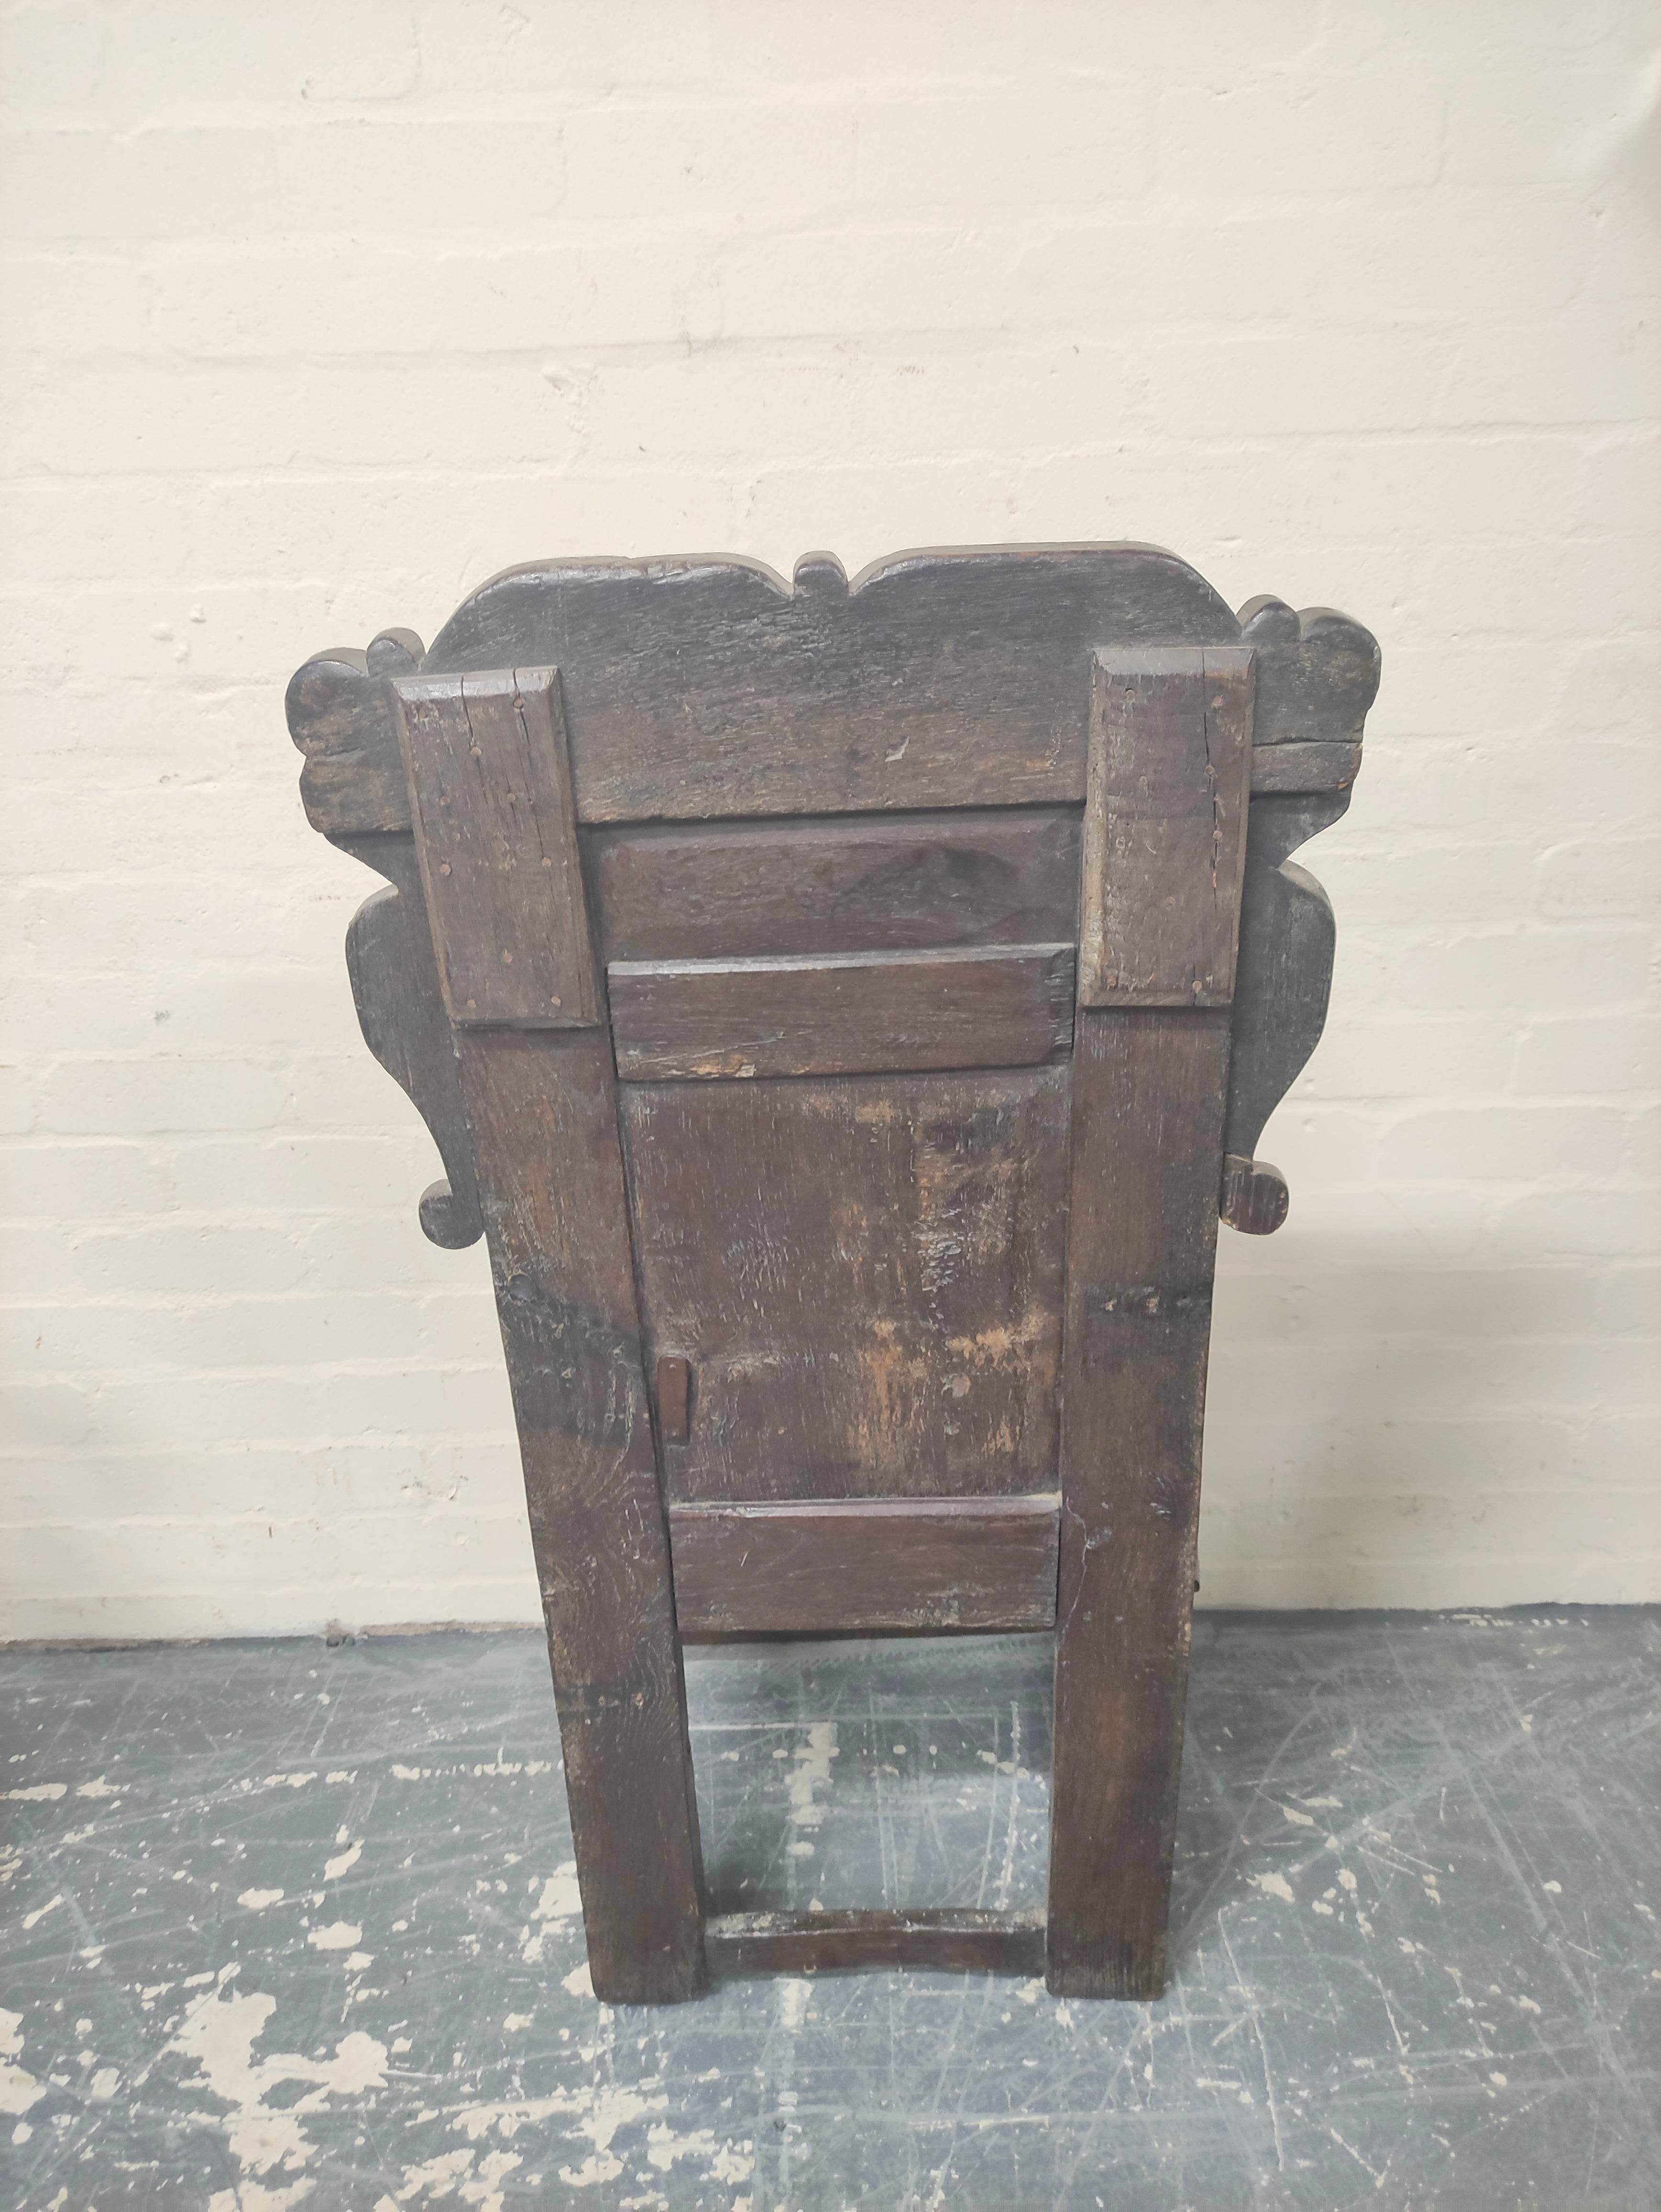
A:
x: 340, y: 717
x: 955, y: 679
x: 1165, y: 827
x: 1317, y: 672
x: 1304, y: 768
x: 865, y: 1274
x: 869, y: 1564
x: 852, y: 1014
x: 389, y: 958
x: 543, y: 1111
x: 674, y: 1396
x: 1285, y: 973
x: 866, y: 882
x: 495, y: 831
x: 1147, y: 1111
x: 1254, y: 1197
x: 937, y: 679
x: 841, y: 1942
x: 828, y: 826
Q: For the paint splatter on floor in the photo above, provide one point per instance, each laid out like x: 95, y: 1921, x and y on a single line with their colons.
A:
x: 263, y: 1952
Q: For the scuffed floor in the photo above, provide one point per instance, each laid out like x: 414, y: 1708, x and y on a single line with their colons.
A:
x: 285, y: 1925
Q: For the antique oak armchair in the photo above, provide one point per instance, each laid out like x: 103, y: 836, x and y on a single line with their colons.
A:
x: 848, y: 1010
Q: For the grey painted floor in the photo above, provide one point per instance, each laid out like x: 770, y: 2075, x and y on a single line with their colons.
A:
x: 287, y: 1925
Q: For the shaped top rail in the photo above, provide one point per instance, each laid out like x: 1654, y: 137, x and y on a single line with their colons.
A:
x: 702, y: 688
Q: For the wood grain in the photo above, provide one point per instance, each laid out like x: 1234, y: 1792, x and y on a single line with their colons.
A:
x: 1304, y: 768
x: 938, y: 679
x: 495, y: 831
x: 1254, y: 1197
x: 1147, y: 1110
x: 544, y: 1110
x: 1287, y: 940
x: 865, y: 1274
x: 838, y: 883
x: 867, y: 1564
x: 674, y: 1396
x: 865, y: 1277
x: 400, y: 1011
x: 1165, y: 827
x: 855, y: 1013
x: 1317, y: 672
x: 954, y: 678
x: 844, y: 1941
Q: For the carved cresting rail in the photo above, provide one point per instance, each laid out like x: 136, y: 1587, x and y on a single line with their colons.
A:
x: 850, y: 1008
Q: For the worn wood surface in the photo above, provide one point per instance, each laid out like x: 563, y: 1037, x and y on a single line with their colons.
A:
x: 1304, y: 768
x: 850, y: 1013
x: 1254, y: 1197
x: 823, y: 828
x: 868, y: 1563
x: 1287, y: 938
x: 674, y: 1398
x: 400, y: 1011
x: 1317, y: 672
x: 840, y: 1941
x: 838, y: 883
x: 339, y: 708
x: 939, y: 679
x: 865, y: 1274
x: 1148, y: 1112
x: 495, y: 831
x: 544, y: 1110
x: 1165, y: 827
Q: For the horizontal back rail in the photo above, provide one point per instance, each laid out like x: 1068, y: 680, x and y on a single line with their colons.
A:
x: 838, y: 1942
x: 852, y: 1014
x: 869, y: 882
x: 707, y: 688
x: 838, y: 1564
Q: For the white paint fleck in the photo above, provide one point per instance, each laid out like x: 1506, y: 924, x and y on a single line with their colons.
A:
x: 333, y: 1868
x: 1525, y: 2004
x: 512, y: 2026
x: 1299, y: 1820
x: 1347, y: 1879
x: 577, y: 1984
x: 32, y: 1919
x: 727, y: 2162
x: 18, y: 2089
x: 1316, y: 1905
x: 98, y: 1787
x: 561, y: 1902
x: 219, y: 2031
x: 42, y: 1793
x: 1273, y: 1885
x: 256, y: 1900
x: 1499, y: 2081
x: 337, y: 1935
x: 811, y: 1772
x: 104, y: 2084
x: 794, y: 1996
x: 1555, y: 1887
x: 438, y: 2176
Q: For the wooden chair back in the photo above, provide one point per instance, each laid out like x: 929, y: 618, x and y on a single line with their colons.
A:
x: 848, y: 1011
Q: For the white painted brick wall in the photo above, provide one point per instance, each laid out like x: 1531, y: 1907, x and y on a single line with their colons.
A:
x: 315, y: 316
